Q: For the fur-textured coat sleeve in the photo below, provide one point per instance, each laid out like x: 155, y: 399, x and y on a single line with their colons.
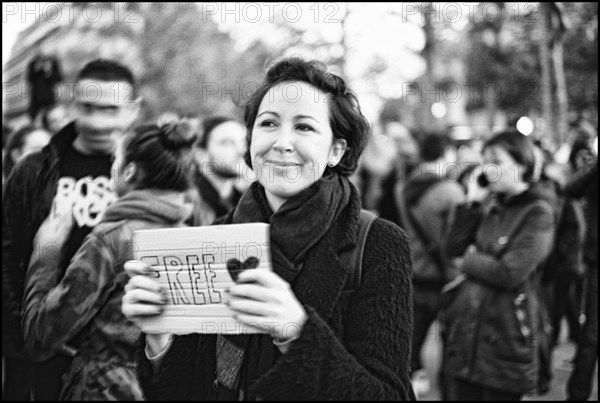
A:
x: 370, y: 362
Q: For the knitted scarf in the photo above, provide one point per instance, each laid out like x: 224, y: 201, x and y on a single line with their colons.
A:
x: 298, y: 225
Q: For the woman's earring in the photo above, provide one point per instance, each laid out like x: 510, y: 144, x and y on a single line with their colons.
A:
x: 331, y: 164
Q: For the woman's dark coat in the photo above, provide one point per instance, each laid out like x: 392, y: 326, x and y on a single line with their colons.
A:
x: 364, y: 356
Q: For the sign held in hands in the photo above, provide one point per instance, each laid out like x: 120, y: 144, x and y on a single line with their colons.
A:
x: 196, y: 265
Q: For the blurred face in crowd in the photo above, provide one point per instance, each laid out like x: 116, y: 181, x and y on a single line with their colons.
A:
x: 226, y: 146
x: 502, y: 171
x: 57, y: 118
x: 584, y: 157
x: 34, y: 141
x: 292, y: 140
x: 104, y: 110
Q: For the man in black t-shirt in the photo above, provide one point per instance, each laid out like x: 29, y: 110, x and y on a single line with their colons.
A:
x: 74, y: 169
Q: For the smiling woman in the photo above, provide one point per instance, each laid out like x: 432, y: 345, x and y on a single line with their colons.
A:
x: 305, y: 133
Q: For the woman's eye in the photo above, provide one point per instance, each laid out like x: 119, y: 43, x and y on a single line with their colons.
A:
x: 304, y: 128
x: 267, y: 123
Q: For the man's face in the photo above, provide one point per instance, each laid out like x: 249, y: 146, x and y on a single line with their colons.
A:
x: 226, y: 146
x: 103, y: 111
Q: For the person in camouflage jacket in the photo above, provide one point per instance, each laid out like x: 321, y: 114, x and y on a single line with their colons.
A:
x: 86, y: 302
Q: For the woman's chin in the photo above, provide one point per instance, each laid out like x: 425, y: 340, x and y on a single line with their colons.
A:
x: 282, y: 188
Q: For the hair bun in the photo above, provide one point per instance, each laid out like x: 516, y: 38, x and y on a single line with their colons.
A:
x: 177, y: 133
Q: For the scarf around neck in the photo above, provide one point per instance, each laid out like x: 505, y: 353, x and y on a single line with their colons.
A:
x: 299, y: 224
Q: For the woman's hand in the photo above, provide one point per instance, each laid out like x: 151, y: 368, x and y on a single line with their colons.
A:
x: 262, y: 298
x: 55, y: 229
x: 144, y: 297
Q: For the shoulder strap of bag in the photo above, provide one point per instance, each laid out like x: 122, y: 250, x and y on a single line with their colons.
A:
x: 354, y: 257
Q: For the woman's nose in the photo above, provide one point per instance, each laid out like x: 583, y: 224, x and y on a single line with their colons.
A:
x: 284, y: 142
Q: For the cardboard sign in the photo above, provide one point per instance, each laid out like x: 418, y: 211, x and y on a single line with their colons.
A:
x: 196, y: 265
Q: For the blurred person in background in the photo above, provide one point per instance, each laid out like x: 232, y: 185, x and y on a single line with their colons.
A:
x: 376, y: 164
x: 75, y: 166
x: 584, y: 185
x: 17, y: 370
x: 425, y: 202
x: 55, y: 117
x: 21, y: 143
x: 550, y: 186
x: 566, y: 262
x: 406, y: 159
x: 467, y: 175
x: 151, y: 173
x: 490, y: 313
x: 219, y: 165
x: 43, y: 74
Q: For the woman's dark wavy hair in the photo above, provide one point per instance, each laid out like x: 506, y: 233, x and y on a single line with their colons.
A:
x: 164, y: 155
x: 345, y: 116
x: 519, y: 147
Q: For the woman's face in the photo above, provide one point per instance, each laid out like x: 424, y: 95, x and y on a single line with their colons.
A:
x: 501, y: 170
x: 292, y: 140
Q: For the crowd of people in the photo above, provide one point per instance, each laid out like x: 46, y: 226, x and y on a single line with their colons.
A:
x: 482, y: 239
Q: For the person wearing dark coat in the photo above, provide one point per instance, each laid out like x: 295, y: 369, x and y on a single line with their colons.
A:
x: 218, y: 156
x: 585, y: 185
x: 43, y: 73
x: 490, y: 314
x: 344, y: 345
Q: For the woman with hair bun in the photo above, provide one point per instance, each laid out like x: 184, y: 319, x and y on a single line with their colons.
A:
x: 81, y: 311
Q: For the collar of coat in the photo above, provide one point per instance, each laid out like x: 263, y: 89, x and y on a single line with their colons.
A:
x: 61, y: 141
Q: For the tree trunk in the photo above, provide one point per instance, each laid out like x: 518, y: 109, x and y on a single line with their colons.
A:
x: 546, y: 84
x: 427, y: 88
x: 559, y: 75
x: 561, y: 92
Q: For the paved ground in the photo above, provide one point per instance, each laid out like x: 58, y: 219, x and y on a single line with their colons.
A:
x: 562, y: 369
x: 561, y: 365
